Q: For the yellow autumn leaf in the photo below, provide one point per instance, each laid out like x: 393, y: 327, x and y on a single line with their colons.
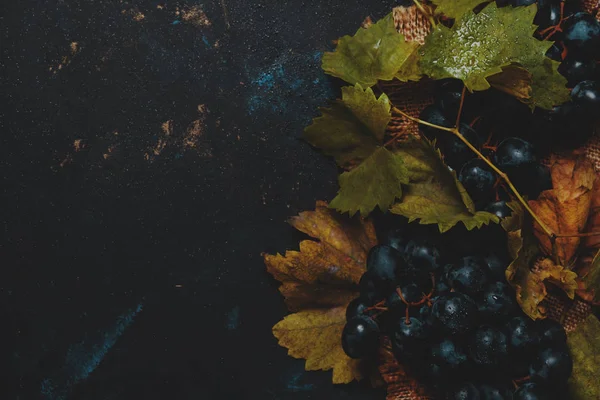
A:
x: 319, y: 281
x: 315, y: 335
x: 566, y: 207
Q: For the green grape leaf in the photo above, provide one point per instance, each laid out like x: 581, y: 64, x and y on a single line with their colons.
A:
x: 373, y: 113
x: 528, y: 273
x: 584, y: 345
x: 375, y: 182
x: 456, y: 8
x: 372, y: 54
x: 434, y: 194
x: 352, y: 129
x: 410, y: 70
x: 479, y: 45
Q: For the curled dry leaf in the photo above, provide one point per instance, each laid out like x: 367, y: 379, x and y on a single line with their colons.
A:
x: 565, y: 208
x: 319, y: 281
x: 528, y: 273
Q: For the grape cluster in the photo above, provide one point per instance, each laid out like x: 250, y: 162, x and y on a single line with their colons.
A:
x: 498, y: 141
x: 506, y: 130
x: 453, y: 319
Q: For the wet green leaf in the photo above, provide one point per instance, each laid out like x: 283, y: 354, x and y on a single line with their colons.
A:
x: 479, y: 45
x: 456, y: 8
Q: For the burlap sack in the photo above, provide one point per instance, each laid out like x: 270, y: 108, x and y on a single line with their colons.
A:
x: 412, y: 97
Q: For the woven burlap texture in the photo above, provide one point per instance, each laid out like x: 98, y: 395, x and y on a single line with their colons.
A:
x: 412, y: 97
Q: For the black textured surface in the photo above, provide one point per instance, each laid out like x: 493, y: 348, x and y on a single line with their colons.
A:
x: 130, y: 253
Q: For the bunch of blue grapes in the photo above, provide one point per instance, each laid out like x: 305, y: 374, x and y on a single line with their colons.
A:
x: 507, y: 131
x: 453, y: 320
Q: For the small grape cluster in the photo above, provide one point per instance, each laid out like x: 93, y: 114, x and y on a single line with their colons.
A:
x: 515, y: 156
x: 505, y: 130
x: 453, y: 320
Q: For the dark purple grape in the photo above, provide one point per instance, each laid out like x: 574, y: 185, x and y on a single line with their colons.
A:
x: 498, y: 302
x: 455, y: 151
x: 586, y: 94
x: 463, y: 391
x: 552, y: 365
x: 499, y: 208
x: 423, y: 254
x: 513, y: 153
x: 383, y: 263
x: 357, y: 307
x: 531, y: 180
x: 582, y: 35
x: 478, y: 179
x: 548, y: 15
x: 368, y: 291
x: 497, y: 262
x: 449, y: 356
x: 555, y: 52
x: 495, y: 391
x: 531, y: 391
x: 454, y: 313
x: 433, y: 115
x: 469, y: 275
x: 488, y: 347
x: 565, y: 127
x: 411, y: 292
x: 447, y: 94
x: 395, y: 239
x: 522, y: 336
x: 441, y: 286
x: 360, y: 337
x: 551, y: 332
x: 577, y: 70
x: 409, y: 338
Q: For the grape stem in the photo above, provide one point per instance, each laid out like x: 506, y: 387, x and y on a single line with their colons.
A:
x: 455, y: 131
x: 500, y: 173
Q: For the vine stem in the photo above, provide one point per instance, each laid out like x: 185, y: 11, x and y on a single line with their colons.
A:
x: 500, y: 173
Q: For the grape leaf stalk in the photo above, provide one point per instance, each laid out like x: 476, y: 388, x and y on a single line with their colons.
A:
x: 454, y: 130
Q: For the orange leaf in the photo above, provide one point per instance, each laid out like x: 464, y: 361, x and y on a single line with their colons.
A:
x: 400, y: 386
x: 565, y: 208
x: 323, y: 273
x: 318, y: 282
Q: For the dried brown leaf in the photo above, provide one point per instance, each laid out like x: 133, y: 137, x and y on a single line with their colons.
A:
x: 565, y: 208
x: 527, y: 273
x: 319, y: 281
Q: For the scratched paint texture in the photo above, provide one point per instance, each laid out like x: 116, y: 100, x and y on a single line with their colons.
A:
x: 149, y: 152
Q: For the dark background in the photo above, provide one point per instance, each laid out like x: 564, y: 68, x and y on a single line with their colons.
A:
x: 130, y: 253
